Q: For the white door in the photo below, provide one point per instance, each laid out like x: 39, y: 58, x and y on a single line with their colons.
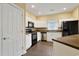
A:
x: 12, y: 30
x: 7, y: 30
x: 0, y: 31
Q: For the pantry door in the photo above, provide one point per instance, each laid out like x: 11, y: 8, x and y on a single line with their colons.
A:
x: 7, y: 27
x: 12, y: 26
x: 0, y: 31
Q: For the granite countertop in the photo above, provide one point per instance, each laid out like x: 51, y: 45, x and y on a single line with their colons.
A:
x: 46, y: 30
x: 72, y: 41
x: 43, y: 30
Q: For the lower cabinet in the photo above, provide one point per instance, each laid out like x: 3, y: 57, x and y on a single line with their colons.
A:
x: 38, y: 36
x: 53, y: 35
x: 30, y: 38
x: 28, y: 41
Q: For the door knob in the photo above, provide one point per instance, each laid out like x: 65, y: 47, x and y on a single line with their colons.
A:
x: 4, y: 38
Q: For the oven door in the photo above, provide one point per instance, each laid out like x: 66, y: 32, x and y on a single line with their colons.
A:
x: 34, y: 38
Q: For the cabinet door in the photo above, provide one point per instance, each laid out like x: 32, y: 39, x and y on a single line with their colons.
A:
x: 28, y: 41
x: 38, y: 36
x: 53, y: 35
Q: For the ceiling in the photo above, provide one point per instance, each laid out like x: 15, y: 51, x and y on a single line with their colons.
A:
x: 39, y: 9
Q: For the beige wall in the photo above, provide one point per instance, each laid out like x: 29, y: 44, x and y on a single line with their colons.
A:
x: 75, y: 13
x: 56, y: 16
x: 30, y: 17
x: 28, y: 14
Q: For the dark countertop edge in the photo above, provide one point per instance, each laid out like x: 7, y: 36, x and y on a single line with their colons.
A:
x: 29, y: 33
x: 47, y: 31
x: 66, y: 44
x: 54, y: 31
x: 44, y: 31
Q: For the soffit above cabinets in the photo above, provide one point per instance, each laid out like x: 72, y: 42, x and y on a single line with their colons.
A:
x: 39, y: 9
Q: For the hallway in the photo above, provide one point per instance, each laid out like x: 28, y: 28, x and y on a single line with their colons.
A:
x: 40, y: 49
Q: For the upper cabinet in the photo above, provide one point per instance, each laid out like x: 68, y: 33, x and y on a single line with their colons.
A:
x: 41, y: 24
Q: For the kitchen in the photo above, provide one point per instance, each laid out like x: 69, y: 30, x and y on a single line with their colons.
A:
x: 45, y: 29
x: 49, y: 27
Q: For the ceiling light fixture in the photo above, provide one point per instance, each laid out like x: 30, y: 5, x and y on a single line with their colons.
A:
x: 33, y: 6
x: 64, y: 8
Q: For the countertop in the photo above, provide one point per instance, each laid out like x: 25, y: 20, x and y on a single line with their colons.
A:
x: 72, y: 40
x: 44, y: 30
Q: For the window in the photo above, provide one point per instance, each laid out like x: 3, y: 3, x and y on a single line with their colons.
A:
x: 52, y: 25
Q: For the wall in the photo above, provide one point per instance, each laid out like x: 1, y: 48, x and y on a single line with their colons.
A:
x: 72, y: 15
x: 75, y: 13
x: 58, y: 17
x: 30, y: 17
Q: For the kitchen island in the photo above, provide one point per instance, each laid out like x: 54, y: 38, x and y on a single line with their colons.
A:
x: 66, y: 46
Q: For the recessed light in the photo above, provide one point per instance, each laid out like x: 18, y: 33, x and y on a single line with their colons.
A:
x: 33, y: 6
x: 64, y: 8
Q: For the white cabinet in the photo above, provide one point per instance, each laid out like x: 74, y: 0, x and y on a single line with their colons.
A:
x: 41, y: 24
x: 53, y: 35
x: 28, y: 41
x: 38, y: 36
